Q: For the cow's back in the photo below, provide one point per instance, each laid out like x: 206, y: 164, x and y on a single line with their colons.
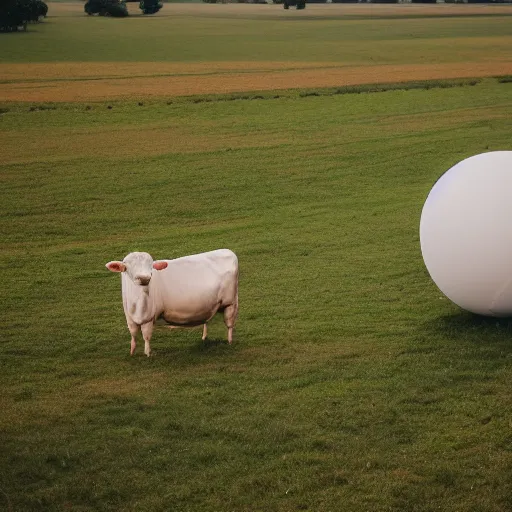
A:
x: 192, y: 288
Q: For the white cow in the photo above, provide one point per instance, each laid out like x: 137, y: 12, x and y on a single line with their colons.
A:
x: 185, y: 292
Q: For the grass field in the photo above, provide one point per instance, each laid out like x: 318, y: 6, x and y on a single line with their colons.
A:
x: 226, y: 48
x: 352, y: 384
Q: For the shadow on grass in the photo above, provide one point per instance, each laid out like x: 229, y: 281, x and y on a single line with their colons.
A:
x: 210, y: 345
x: 469, y: 327
x: 460, y: 349
x: 189, y: 350
x: 463, y: 322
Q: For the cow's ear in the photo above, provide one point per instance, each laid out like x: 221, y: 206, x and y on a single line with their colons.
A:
x: 116, y: 266
x: 160, y: 265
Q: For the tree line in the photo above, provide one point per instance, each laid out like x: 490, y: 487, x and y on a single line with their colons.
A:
x: 16, y: 14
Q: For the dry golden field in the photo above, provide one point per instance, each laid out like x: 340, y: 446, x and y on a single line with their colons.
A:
x: 40, y: 83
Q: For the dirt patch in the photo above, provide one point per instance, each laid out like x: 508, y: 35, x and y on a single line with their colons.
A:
x: 110, y: 81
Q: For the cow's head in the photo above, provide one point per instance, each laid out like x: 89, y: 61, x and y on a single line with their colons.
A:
x: 138, y: 266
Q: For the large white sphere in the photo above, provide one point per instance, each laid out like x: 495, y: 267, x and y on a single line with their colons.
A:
x: 466, y: 233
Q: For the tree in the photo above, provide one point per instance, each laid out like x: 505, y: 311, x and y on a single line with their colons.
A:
x: 116, y: 8
x: 150, y: 6
x: 15, y: 14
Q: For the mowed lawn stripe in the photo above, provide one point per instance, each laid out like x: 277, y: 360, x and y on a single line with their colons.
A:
x: 173, y: 136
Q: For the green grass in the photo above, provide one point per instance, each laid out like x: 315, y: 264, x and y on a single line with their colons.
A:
x: 265, y: 34
x: 352, y: 383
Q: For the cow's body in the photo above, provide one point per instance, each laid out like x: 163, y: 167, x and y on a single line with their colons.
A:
x: 185, y: 292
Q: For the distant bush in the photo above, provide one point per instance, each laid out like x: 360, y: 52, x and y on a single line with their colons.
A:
x: 15, y: 14
x: 299, y: 4
x: 116, y: 8
x: 150, y: 6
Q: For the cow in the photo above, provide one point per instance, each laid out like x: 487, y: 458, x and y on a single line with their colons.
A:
x: 184, y: 292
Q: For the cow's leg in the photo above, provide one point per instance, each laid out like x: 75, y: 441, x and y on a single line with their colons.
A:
x: 147, y: 332
x: 230, y: 314
x: 134, y: 329
x: 205, y: 331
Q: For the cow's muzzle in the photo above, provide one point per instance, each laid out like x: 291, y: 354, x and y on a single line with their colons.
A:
x: 142, y: 280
